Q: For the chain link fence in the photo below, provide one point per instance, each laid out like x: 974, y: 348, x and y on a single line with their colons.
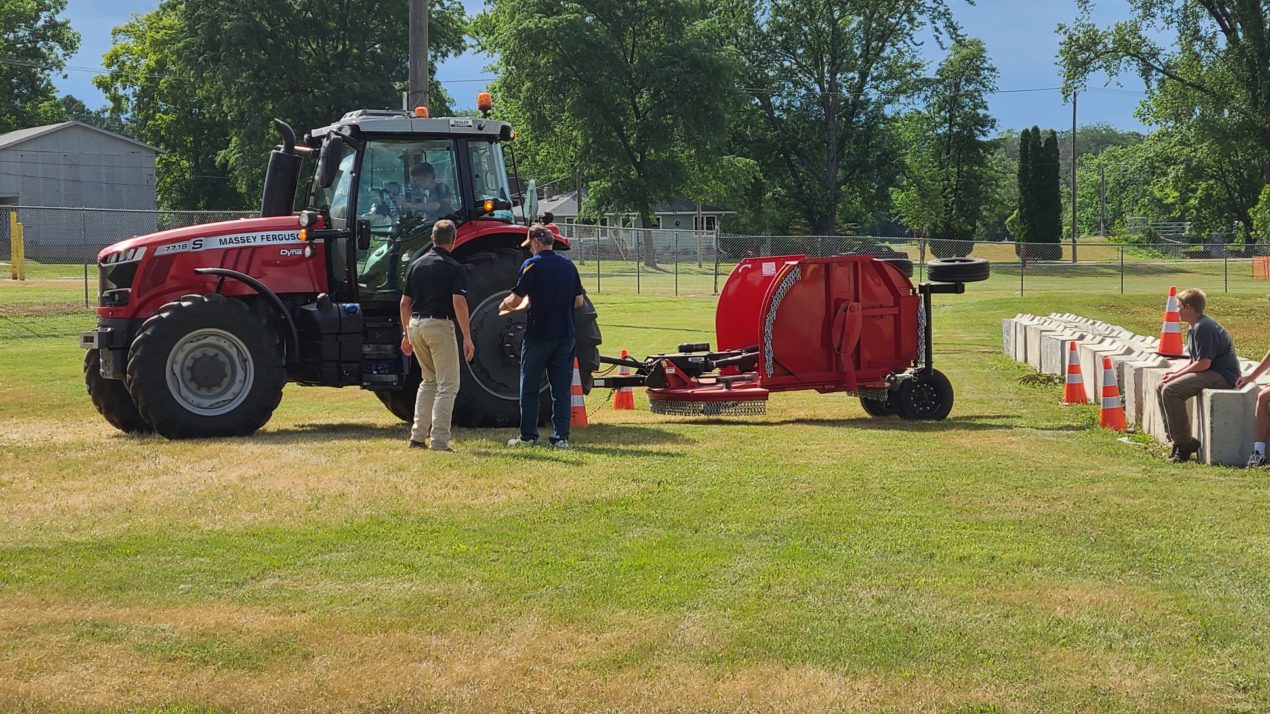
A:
x: 62, y: 243
x: 61, y: 246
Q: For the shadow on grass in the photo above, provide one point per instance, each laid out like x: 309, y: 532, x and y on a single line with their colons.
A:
x: 609, y: 439
x: 965, y: 423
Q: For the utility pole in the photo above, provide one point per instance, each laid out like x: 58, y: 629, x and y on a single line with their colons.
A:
x: 1102, y: 200
x: 1074, y: 230
x: 417, y: 95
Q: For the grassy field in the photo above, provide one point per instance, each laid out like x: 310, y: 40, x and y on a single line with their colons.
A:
x: 1011, y: 558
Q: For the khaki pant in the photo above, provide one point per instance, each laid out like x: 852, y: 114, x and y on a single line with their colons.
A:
x: 1173, y: 396
x: 437, y: 350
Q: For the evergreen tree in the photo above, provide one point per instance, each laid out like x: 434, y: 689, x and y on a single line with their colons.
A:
x: 1050, y: 228
x: 1024, y: 223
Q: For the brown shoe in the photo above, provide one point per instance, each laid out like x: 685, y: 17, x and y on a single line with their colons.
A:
x: 1182, y: 454
x: 417, y: 444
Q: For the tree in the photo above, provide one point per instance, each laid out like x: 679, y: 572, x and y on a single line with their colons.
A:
x: 75, y: 110
x: 1212, y: 89
x: 822, y: 75
x: 634, y: 93
x: 947, y: 178
x: 34, y: 43
x: 203, y: 79
x: 1048, y: 210
x: 1026, y: 232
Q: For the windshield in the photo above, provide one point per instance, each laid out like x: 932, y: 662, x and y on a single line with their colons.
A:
x: 404, y: 187
x: 489, y: 175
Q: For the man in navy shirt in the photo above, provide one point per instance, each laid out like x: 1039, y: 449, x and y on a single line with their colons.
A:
x: 554, y: 289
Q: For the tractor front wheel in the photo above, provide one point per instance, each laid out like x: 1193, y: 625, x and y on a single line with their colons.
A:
x: 206, y: 366
x: 927, y: 396
x: 111, y: 398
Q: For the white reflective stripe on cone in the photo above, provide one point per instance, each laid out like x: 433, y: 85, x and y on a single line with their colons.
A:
x: 1171, y: 327
x: 1110, y: 402
x: 577, y: 401
x: 1075, y: 379
x: 1171, y: 305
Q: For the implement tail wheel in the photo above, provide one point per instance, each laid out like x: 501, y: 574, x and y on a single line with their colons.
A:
x: 884, y: 407
x: 928, y: 396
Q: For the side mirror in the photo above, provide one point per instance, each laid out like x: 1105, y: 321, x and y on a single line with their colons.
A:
x: 329, y: 160
x: 363, y: 235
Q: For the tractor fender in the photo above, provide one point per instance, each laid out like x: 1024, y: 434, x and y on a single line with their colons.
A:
x: 291, y: 339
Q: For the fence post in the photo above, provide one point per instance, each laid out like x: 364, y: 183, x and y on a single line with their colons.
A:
x: 639, y: 246
x: 1022, y: 267
x: 921, y: 259
x: 83, y: 235
x: 1122, y: 270
x: 716, y: 262
x: 1225, y: 264
x: 598, y: 250
x: 676, y: 257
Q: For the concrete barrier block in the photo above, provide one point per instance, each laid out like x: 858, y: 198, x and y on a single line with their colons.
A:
x: 1224, y: 425
x: 1153, y: 417
x: 1092, y: 353
x: 1131, y: 386
x: 1033, y: 336
x: 1019, y: 343
x: 1054, y: 349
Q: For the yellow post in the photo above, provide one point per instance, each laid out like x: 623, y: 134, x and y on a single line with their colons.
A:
x: 21, y: 252
x: 15, y: 245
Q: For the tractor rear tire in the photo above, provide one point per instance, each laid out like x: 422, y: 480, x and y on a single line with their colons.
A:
x: 111, y: 398
x: 489, y: 386
x: 879, y: 407
x: 958, y: 270
x: 206, y: 366
x: 928, y: 396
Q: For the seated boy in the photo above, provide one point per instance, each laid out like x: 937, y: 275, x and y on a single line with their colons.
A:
x: 1213, y: 366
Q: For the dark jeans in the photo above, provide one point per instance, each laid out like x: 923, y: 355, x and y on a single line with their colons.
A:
x: 556, y: 357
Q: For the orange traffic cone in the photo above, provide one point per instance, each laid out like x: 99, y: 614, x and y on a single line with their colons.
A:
x: 1112, y: 414
x: 624, y: 397
x: 1074, y: 391
x: 1171, y: 330
x: 577, y: 402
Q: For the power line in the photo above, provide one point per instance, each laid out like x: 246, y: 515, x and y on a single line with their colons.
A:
x: 103, y: 70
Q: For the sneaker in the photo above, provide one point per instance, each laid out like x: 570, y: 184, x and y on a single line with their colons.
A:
x: 561, y: 444
x: 1256, y: 460
x: 417, y: 444
x: 521, y: 442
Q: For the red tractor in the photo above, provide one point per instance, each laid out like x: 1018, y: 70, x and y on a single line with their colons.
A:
x: 199, y: 328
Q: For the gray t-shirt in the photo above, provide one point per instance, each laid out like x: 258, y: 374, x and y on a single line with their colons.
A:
x: 1209, y: 340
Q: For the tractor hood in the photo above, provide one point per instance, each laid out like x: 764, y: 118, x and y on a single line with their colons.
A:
x: 223, y: 234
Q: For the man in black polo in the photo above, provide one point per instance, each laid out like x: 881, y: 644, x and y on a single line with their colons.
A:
x: 554, y: 289
x: 433, y: 300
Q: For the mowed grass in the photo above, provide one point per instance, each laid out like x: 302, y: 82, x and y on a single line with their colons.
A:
x: 1011, y: 558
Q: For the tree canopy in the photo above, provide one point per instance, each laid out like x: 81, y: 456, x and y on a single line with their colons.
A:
x: 202, y: 80
x: 947, y: 177
x: 635, y: 94
x: 35, y: 42
x: 1209, y: 89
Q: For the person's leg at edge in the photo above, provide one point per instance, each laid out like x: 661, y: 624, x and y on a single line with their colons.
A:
x: 444, y: 347
x: 1173, y: 398
x: 1261, y: 428
x: 533, y: 360
x: 421, y: 427
x: 560, y: 376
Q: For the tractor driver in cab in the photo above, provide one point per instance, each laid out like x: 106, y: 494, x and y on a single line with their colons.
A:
x: 427, y: 196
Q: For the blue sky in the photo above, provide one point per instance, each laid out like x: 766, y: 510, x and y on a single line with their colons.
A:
x: 1019, y: 35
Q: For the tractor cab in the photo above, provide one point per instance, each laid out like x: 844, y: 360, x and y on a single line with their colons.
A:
x: 385, y: 178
